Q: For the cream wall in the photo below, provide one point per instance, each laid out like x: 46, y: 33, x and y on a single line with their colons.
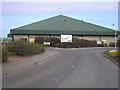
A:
x: 56, y: 36
x: 28, y: 37
x: 97, y: 38
x: 17, y: 37
x: 89, y: 37
x: 108, y: 38
x: 32, y: 37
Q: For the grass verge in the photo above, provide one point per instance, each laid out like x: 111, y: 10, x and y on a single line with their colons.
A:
x: 113, y: 59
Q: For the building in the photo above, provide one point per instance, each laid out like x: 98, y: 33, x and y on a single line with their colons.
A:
x: 55, y: 26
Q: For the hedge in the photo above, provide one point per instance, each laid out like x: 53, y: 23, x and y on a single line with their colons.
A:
x: 111, y: 44
x: 53, y: 41
x: 23, y: 48
x: 4, y: 54
x: 76, y: 43
x: 39, y: 40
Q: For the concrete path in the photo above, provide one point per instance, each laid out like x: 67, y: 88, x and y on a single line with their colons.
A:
x: 12, y: 67
x: 73, y: 68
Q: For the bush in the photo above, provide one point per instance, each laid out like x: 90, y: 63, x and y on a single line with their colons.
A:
x: 24, y: 48
x: 87, y: 43
x: 113, y: 53
x: 39, y: 48
x: 4, y: 54
x: 53, y: 41
x: 111, y: 44
x: 11, y: 54
x: 39, y: 40
x: 76, y: 43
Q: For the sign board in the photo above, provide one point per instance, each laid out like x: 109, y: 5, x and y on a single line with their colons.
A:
x: 66, y: 38
x: 99, y: 42
x: 46, y: 43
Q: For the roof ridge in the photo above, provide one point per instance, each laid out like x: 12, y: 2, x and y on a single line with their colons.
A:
x: 87, y: 22
x: 65, y: 17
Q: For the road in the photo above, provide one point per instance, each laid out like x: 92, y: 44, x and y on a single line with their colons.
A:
x: 73, y: 68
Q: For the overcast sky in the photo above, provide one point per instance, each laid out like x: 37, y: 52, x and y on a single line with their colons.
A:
x: 15, y: 14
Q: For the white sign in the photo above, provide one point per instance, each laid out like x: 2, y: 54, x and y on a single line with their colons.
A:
x: 99, y: 42
x: 46, y: 43
x: 66, y: 38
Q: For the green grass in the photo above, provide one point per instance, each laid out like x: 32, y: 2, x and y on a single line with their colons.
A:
x: 11, y: 54
x: 106, y: 53
x: 115, y: 59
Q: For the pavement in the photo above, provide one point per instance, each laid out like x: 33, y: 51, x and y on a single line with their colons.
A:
x: 73, y: 68
x: 12, y: 67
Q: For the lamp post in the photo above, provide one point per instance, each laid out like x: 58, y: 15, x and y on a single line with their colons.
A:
x: 115, y: 36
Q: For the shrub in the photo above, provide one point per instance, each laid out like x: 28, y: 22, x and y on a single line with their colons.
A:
x: 7, y: 44
x: 11, y: 54
x: 39, y: 48
x: 24, y: 48
x: 76, y: 43
x: 39, y: 40
x: 53, y: 41
x: 111, y: 44
x: 87, y: 43
x: 113, y: 53
x: 4, y: 53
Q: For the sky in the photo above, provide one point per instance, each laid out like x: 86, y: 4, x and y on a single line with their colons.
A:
x: 16, y: 14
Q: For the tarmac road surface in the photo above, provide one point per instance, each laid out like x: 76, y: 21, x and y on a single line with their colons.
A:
x: 73, y: 68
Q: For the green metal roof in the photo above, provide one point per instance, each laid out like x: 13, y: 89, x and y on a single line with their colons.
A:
x: 62, y: 25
